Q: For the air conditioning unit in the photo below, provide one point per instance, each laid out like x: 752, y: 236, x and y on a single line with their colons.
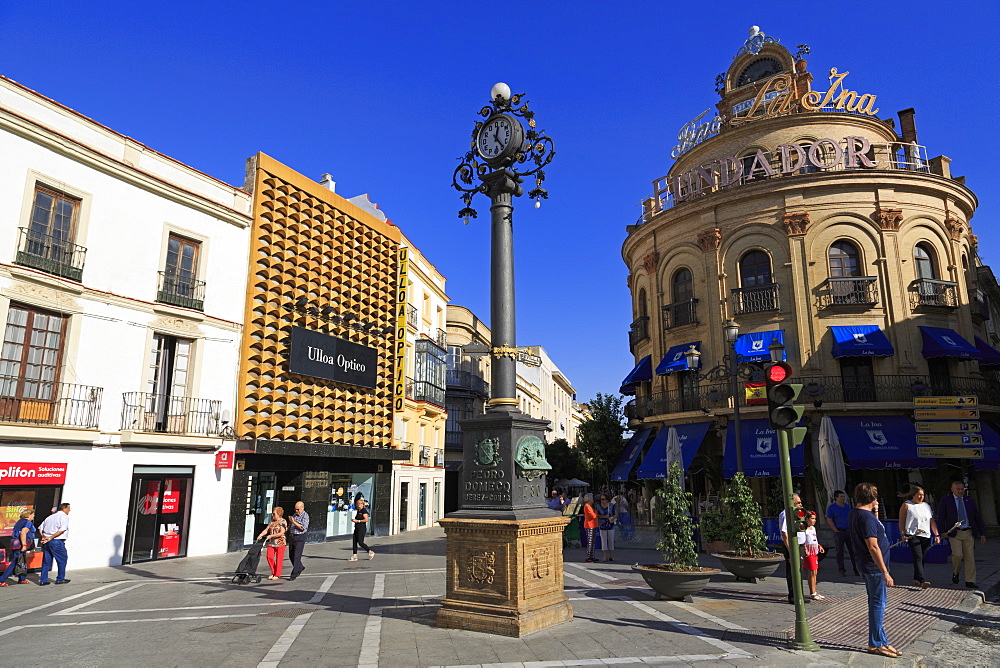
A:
x: 425, y: 452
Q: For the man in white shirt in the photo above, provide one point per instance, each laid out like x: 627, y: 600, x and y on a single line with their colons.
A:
x: 55, y: 531
x: 784, y: 539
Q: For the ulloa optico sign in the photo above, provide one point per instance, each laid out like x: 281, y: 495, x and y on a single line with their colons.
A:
x: 32, y: 473
x: 323, y: 356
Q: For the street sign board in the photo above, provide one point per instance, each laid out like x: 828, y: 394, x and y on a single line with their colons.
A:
x: 946, y: 401
x: 954, y: 453
x: 949, y: 439
x: 946, y: 413
x: 952, y: 427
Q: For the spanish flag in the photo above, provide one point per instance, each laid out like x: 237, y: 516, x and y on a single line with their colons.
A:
x: 756, y: 394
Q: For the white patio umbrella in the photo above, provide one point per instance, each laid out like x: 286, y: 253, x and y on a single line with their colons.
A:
x: 673, y: 449
x: 831, y: 457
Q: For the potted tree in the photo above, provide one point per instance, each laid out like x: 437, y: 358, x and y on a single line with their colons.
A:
x: 746, y: 558
x: 680, y: 576
x: 713, y: 531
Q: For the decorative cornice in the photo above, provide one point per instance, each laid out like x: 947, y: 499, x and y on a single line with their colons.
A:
x: 709, y: 240
x: 955, y: 227
x: 888, y: 219
x: 182, y: 326
x: 649, y: 262
x: 43, y: 296
x: 796, y: 223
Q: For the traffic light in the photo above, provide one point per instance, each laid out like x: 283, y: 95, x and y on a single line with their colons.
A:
x: 781, y: 395
x: 799, y: 515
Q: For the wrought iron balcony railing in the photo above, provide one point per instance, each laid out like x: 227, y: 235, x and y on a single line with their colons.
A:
x: 412, y: 316
x: 165, y: 414
x: 43, y: 402
x: 453, y: 440
x: 931, y: 292
x: 422, y: 390
x: 466, y: 380
x: 50, y: 254
x: 756, y: 299
x: 441, y: 338
x: 980, y: 308
x: 851, y: 291
x: 179, y: 290
x: 638, y: 331
x: 680, y: 313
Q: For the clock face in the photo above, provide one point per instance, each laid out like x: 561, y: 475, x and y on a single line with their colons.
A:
x: 761, y: 68
x: 495, y: 137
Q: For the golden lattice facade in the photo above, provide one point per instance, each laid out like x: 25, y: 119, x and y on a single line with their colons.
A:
x: 309, y: 243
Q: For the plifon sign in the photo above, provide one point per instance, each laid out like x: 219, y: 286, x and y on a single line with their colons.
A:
x: 32, y: 473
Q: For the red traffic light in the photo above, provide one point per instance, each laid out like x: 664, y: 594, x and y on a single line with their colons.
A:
x: 778, y: 372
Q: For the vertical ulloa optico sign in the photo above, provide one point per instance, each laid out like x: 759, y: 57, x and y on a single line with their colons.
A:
x: 399, y: 376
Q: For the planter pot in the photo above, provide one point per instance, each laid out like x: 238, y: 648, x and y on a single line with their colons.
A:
x: 750, y: 570
x: 675, y: 585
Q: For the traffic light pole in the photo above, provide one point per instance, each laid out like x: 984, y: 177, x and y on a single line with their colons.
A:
x: 803, y: 640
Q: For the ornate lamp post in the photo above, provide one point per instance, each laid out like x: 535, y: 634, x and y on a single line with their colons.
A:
x: 732, y: 368
x: 504, y: 545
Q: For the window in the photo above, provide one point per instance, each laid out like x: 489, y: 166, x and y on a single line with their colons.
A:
x: 178, y: 283
x: 31, y: 354
x: 681, y: 312
x: 429, y: 372
x: 47, y: 242
x: 858, y: 378
x: 758, y: 291
x: 681, y: 285
x: 169, y: 363
x: 642, y: 304
x: 923, y: 259
x: 845, y: 261
x: 755, y: 269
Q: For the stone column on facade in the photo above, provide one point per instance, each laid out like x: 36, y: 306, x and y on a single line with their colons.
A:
x: 894, y: 286
x: 796, y: 225
x: 709, y: 240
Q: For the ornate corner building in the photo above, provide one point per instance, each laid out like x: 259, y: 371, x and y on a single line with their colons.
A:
x: 799, y: 209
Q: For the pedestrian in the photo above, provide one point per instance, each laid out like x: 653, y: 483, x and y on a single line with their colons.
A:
x: 297, y: 538
x: 836, y: 517
x: 22, y: 539
x: 783, y: 548
x: 554, y: 501
x: 871, y: 557
x: 590, y: 525
x: 55, y: 531
x: 957, y: 508
x: 811, y: 551
x: 917, y: 525
x: 606, y: 525
x: 274, y: 533
x: 623, y: 516
x: 360, y: 529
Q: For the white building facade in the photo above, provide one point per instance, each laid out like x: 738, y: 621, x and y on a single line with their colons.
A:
x: 545, y: 392
x: 122, y: 279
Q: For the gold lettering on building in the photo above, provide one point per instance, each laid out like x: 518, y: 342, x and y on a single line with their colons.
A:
x: 399, y: 377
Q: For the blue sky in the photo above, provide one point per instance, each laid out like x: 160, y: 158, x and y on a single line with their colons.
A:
x: 384, y: 96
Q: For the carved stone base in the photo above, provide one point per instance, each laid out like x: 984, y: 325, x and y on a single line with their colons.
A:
x: 504, y: 576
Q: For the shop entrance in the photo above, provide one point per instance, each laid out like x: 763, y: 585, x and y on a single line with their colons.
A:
x: 159, y: 513
x: 13, y: 500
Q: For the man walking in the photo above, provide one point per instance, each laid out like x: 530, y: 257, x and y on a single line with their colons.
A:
x: 297, y: 538
x: 783, y: 524
x: 957, y: 508
x: 55, y: 531
x: 836, y: 516
x: 871, y: 557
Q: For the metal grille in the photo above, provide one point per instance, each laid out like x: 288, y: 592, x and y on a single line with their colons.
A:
x: 222, y: 628
x: 43, y: 402
x: 50, y: 254
x: 181, y: 290
x: 639, y: 331
x: 160, y: 413
x: 680, y: 313
x: 289, y: 613
x: 854, y: 291
x: 756, y: 299
x: 931, y: 292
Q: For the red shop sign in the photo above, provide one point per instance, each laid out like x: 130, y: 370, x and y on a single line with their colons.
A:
x: 224, y: 459
x: 32, y: 473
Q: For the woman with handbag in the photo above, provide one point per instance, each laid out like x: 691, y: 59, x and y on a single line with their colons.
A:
x: 22, y: 539
x: 275, y: 534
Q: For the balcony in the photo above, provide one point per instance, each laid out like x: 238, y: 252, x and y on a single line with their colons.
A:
x: 638, y: 331
x: 468, y: 381
x: 453, y: 440
x: 680, y: 313
x: 851, y: 291
x: 441, y: 338
x: 50, y: 254
x: 756, y: 299
x: 164, y: 414
x: 980, y: 308
x: 422, y: 390
x: 179, y: 290
x: 931, y: 292
x: 412, y: 316
x: 27, y: 401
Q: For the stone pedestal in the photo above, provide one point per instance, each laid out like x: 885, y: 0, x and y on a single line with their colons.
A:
x: 504, y: 576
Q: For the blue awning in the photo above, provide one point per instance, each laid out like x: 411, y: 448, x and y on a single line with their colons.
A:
x: 944, y: 342
x: 755, y: 346
x: 860, y: 341
x: 880, y: 442
x: 642, y: 372
x: 760, y: 451
x: 991, y: 449
x: 990, y: 355
x: 630, y: 455
x: 654, y: 464
x: 674, y: 359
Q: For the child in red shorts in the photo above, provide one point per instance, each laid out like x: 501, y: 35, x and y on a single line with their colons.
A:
x: 811, y: 552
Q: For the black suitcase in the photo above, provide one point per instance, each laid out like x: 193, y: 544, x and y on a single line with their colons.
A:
x: 246, y: 572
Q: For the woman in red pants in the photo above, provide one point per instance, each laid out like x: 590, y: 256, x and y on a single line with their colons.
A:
x: 275, y: 534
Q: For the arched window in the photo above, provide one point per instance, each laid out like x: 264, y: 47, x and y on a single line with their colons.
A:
x: 642, y: 310
x: 681, y: 284
x: 923, y: 258
x: 755, y: 269
x: 845, y: 260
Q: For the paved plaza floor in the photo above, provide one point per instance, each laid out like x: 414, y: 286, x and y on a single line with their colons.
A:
x: 185, y: 612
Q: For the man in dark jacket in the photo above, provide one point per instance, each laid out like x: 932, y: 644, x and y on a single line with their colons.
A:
x: 958, y: 508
